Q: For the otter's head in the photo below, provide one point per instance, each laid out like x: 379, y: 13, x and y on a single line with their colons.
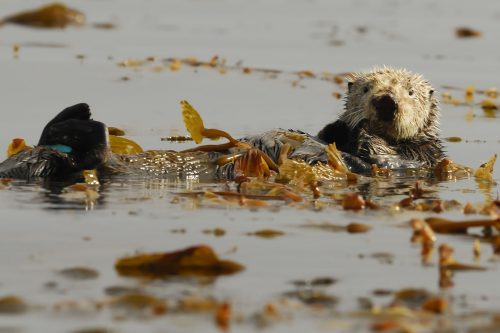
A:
x: 395, y: 104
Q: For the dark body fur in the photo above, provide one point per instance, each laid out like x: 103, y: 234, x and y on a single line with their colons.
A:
x: 359, y: 142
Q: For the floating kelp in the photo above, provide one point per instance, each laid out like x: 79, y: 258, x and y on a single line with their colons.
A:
x: 447, y: 261
x: 196, y: 303
x: 217, y: 232
x: 446, y: 169
x: 357, y: 228
x: 12, y: 305
x: 222, y: 316
x: 485, y: 171
x: 115, y: 131
x: 138, y: 305
x: 353, y: 201
x: 316, y: 298
x: 441, y: 225
x: 194, y: 125
x: 15, y: 50
x: 123, y: 146
x: 16, y: 146
x: 266, y: 233
x: 453, y: 139
x: 193, y: 261
x: 221, y: 65
x: 79, y: 273
x: 55, y: 15
x: 466, y: 32
x: 104, y: 25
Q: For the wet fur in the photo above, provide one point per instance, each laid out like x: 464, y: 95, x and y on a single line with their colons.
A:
x: 412, y: 135
x: 71, y: 127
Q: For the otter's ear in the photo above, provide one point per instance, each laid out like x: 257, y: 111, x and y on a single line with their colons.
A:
x: 349, y: 86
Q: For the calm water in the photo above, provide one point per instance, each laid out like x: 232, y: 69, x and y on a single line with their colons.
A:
x: 42, y: 232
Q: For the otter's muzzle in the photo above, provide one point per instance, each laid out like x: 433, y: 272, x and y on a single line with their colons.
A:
x: 386, y: 107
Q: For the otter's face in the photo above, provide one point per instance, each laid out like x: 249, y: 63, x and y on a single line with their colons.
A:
x: 395, y: 103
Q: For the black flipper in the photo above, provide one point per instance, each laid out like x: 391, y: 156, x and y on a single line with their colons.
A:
x: 80, y: 135
x: 70, y: 142
x: 79, y: 111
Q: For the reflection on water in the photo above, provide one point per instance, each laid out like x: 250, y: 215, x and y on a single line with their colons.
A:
x: 117, y: 189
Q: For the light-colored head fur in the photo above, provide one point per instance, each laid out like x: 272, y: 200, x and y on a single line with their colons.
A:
x: 417, y: 108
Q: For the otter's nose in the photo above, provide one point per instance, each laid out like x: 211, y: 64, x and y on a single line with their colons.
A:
x: 386, y: 107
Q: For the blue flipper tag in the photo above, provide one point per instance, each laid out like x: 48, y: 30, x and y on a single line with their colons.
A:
x: 61, y: 148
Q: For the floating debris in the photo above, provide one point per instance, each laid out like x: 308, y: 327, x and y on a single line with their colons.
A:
x: 217, y: 232
x: 488, y: 105
x: 15, y: 50
x: 313, y: 297
x: 55, y: 15
x: 422, y: 232
x: 306, y: 73
x: 104, y: 25
x: 466, y: 32
x: 223, y: 315
x: 323, y: 281
x: 469, y: 94
x: 12, y: 305
x: 94, y: 330
x: 197, y: 303
x: 437, y: 305
x: 17, y: 145
x: 353, y: 201
x: 266, y: 233
x: 175, y: 65
x: 469, y: 209
x: 485, y: 171
x: 441, y: 225
x: 453, y: 139
x: 476, y: 249
x: 356, y: 228
x: 177, y: 138
x: 448, y: 262
x: 138, y: 304
x: 446, y: 169
x: 79, y: 273
x: 411, y: 297
x: 198, y: 260
x: 121, y: 290
x: 350, y: 228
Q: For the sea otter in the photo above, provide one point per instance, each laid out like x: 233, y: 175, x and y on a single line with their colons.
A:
x: 391, y: 119
x: 391, y: 116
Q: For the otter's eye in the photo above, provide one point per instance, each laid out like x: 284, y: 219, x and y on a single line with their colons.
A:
x: 365, y: 89
x: 410, y: 92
